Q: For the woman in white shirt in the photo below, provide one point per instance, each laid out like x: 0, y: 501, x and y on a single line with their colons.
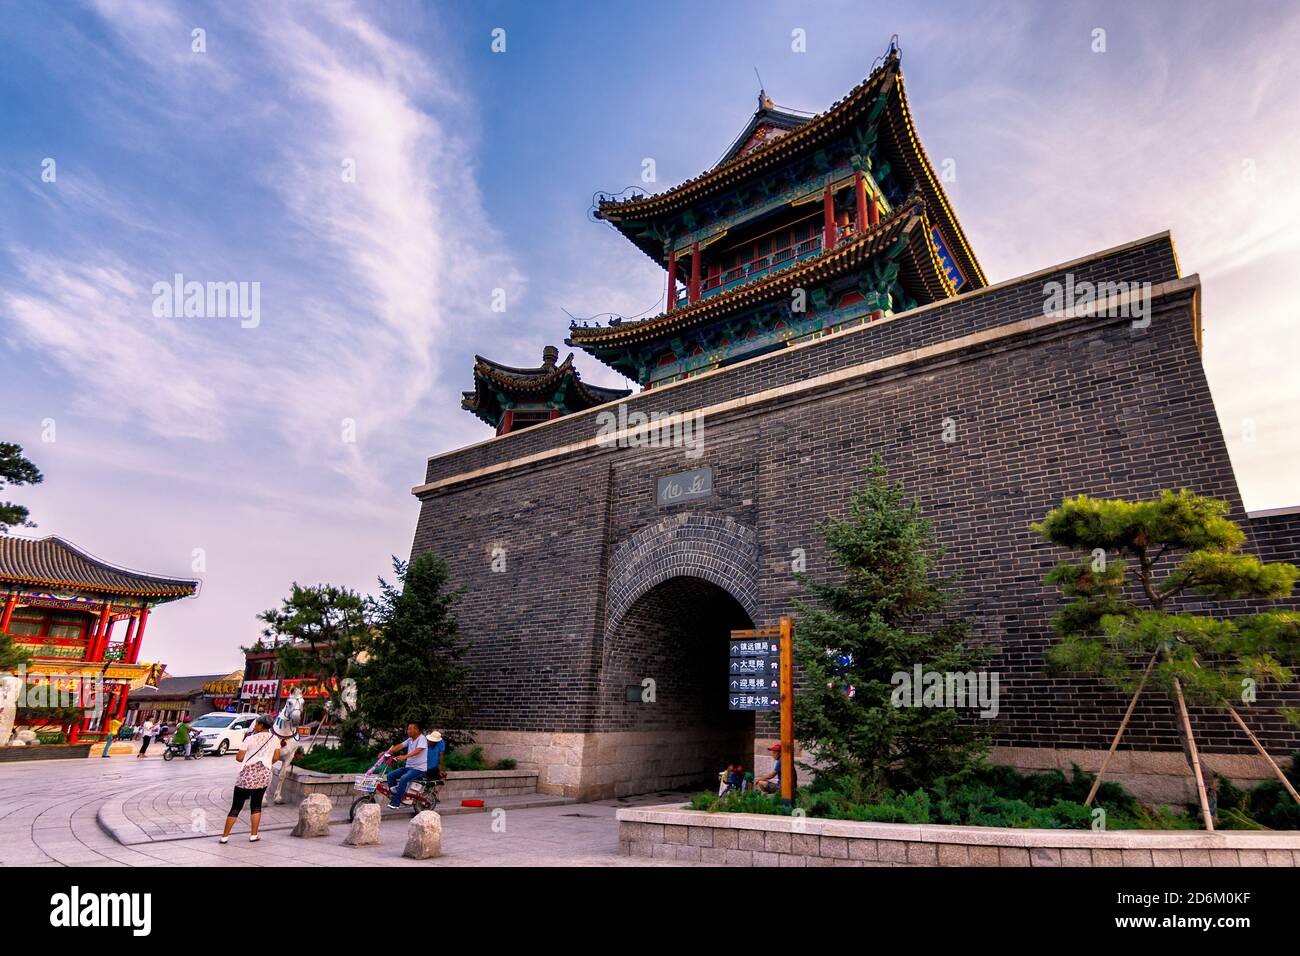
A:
x: 259, y: 750
x: 146, y: 737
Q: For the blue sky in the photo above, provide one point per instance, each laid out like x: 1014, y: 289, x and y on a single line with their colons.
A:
x: 474, y: 172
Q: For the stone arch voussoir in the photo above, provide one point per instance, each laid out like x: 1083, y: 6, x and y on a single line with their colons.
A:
x: 717, y: 549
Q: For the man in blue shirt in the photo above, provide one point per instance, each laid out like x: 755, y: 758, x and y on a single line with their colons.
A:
x: 436, y: 747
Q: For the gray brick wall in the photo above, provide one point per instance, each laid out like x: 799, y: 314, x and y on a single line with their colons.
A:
x: 1095, y: 406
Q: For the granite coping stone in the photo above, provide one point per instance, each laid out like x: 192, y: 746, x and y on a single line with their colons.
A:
x: 316, y: 776
x: 675, y: 815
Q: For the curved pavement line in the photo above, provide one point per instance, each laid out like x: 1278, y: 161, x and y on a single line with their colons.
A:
x: 114, y: 820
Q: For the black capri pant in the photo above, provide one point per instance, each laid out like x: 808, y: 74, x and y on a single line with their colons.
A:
x: 254, y: 798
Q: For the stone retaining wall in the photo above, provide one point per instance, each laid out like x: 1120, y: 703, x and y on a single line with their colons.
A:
x: 461, y: 785
x: 746, y: 839
x: 45, y: 752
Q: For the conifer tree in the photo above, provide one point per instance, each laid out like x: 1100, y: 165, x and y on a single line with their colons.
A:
x: 1210, y: 661
x: 16, y: 470
x: 12, y: 656
x: 328, y: 628
x: 882, y: 616
x: 415, y: 670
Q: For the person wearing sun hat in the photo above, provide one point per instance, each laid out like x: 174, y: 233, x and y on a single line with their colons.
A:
x: 437, y: 747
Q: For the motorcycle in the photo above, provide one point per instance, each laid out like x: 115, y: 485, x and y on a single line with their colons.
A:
x: 197, y: 748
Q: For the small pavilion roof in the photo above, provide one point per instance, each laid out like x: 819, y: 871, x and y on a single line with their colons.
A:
x: 55, y: 563
x: 538, y: 384
x: 177, y: 687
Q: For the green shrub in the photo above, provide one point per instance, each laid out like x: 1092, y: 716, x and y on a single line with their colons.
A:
x: 983, y: 795
x: 359, y: 760
x: 460, y: 760
x: 752, y: 801
x: 342, y: 760
x: 1266, y: 806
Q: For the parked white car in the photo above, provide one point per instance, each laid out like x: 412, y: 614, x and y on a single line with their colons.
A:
x: 222, y: 733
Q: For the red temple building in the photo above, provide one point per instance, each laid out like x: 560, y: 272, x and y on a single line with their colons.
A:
x: 81, y: 620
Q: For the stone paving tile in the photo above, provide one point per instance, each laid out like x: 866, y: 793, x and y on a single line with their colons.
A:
x: 53, y: 814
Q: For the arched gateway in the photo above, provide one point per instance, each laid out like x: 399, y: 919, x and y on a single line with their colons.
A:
x: 676, y: 589
x: 714, y: 548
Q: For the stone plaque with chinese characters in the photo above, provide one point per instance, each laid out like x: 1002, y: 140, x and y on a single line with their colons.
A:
x: 686, y: 486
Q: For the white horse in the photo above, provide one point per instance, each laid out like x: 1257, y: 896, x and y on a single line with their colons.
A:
x: 289, y: 746
x: 286, y: 729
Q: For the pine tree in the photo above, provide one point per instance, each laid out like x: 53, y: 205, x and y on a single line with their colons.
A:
x: 1191, y: 657
x: 16, y: 470
x: 882, y: 618
x: 328, y: 628
x: 415, y: 671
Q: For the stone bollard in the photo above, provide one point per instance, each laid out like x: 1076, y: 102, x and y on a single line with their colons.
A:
x: 424, y: 836
x: 365, y: 826
x: 314, y: 816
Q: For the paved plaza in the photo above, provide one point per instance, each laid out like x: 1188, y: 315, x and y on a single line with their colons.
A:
x: 128, y: 812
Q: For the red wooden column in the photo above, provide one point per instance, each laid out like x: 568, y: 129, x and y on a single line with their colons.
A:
x: 828, y: 219
x: 96, y: 648
x: 672, y: 280
x: 121, y: 704
x: 130, y: 636
x: 10, y: 603
x: 860, y: 200
x: 693, y: 295
x: 134, y: 654
x: 873, y: 212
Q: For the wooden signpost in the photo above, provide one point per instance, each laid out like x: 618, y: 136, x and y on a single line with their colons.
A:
x: 787, y: 711
x: 761, y: 677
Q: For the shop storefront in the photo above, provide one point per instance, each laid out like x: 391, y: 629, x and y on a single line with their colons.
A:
x: 259, y: 696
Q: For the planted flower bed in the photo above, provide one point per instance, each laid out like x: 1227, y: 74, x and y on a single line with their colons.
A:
x: 996, y: 796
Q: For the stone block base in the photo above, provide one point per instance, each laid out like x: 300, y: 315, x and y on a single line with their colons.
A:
x: 745, y: 839
x: 1153, y: 777
x: 605, y: 765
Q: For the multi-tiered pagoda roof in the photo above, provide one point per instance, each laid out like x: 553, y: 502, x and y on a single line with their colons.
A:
x: 808, y: 224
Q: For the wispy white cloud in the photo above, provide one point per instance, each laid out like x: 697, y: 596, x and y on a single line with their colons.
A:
x: 376, y: 271
x: 228, y: 166
x: 95, y: 321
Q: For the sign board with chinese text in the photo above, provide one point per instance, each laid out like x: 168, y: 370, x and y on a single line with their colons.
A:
x: 685, y: 486
x: 753, y: 679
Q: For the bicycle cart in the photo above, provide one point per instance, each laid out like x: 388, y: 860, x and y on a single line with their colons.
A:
x: 373, y: 784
